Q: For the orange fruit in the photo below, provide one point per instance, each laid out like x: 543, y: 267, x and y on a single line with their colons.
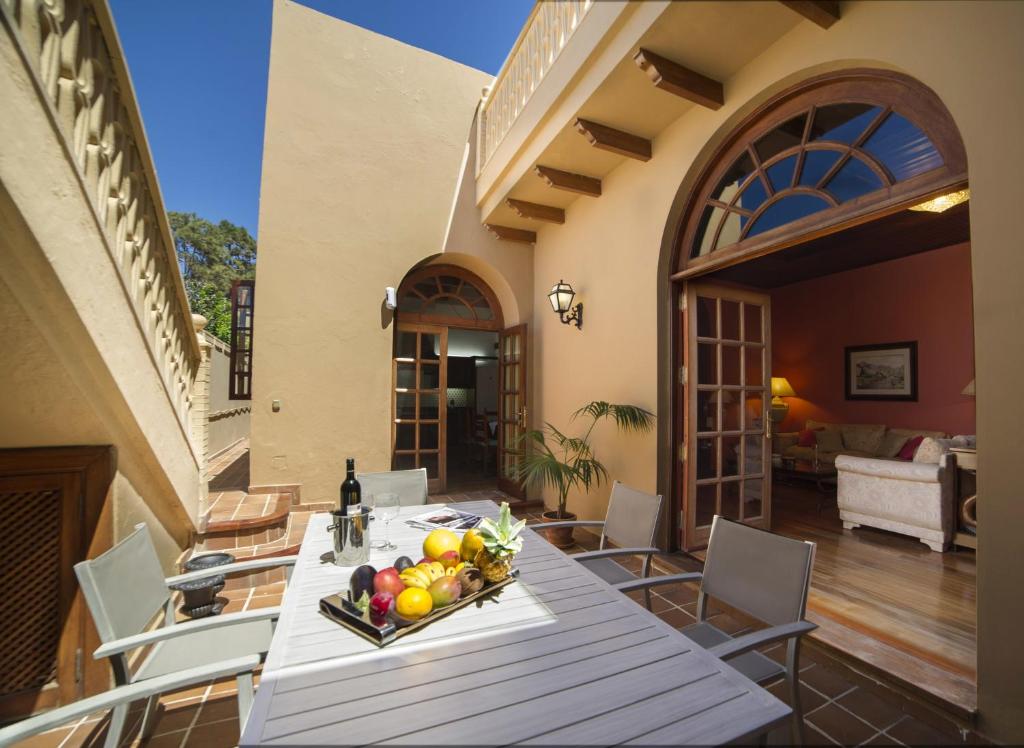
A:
x: 439, y: 541
x: 413, y: 603
x: 471, y: 544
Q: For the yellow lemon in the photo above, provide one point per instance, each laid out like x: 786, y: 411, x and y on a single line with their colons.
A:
x: 439, y: 541
x: 413, y: 603
x: 471, y: 544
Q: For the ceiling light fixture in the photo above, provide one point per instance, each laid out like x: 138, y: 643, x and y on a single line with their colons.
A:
x: 943, y: 203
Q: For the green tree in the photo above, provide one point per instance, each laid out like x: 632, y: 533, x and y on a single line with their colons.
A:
x: 212, y: 256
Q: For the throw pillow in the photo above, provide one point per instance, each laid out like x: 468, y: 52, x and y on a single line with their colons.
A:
x: 863, y: 438
x: 892, y: 444
x: 909, y: 448
x: 931, y: 450
x: 829, y: 441
x: 808, y: 438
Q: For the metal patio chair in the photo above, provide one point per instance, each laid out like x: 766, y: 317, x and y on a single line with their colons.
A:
x: 630, y: 524
x: 125, y: 589
x: 765, y: 576
x: 410, y: 485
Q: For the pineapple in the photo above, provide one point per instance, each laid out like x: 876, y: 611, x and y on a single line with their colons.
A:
x: 501, y: 543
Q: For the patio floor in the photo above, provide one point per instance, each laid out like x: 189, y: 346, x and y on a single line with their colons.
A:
x: 841, y: 705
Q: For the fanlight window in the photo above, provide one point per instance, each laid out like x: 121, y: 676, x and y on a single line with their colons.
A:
x: 822, y: 158
x: 448, y: 295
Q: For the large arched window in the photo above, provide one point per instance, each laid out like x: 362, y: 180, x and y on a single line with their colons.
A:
x: 825, y: 154
x: 448, y: 295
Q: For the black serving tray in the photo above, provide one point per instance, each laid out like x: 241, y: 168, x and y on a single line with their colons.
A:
x: 343, y: 611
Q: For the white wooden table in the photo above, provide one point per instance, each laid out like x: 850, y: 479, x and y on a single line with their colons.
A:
x: 557, y: 657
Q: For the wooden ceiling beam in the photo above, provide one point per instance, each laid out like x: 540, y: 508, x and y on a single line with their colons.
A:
x: 566, y: 180
x: 511, y: 234
x: 822, y: 12
x: 536, y: 211
x: 672, y: 77
x: 609, y: 139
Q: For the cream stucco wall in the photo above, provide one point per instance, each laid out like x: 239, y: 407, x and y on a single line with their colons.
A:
x: 230, y: 419
x: 363, y: 146
x: 614, y: 251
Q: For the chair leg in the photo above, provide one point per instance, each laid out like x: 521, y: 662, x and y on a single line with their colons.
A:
x: 118, y: 716
x: 244, y: 681
x: 793, y: 681
x: 149, y: 718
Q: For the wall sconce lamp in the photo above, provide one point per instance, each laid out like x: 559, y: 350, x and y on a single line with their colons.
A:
x: 561, y: 297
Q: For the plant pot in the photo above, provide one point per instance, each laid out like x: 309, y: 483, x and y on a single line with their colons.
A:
x: 560, y: 537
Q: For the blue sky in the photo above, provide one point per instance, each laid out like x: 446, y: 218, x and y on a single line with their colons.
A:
x: 200, y: 73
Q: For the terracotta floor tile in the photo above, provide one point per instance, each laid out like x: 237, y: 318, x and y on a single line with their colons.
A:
x: 223, y: 734
x: 809, y: 700
x: 185, y: 694
x: 676, y: 617
x: 825, y: 681
x: 50, y: 739
x: 264, y: 601
x: 882, y: 739
x: 174, y: 717
x: 840, y: 725
x: 221, y: 708
x: 868, y: 706
x: 814, y: 736
x: 912, y: 731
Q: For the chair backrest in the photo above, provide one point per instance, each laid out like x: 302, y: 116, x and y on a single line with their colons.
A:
x: 124, y: 587
x: 480, y: 430
x: 758, y: 572
x: 410, y: 485
x: 632, y: 517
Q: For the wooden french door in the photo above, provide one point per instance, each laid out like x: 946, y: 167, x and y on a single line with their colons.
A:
x: 726, y: 390
x: 512, y: 421
x: 419, y: 423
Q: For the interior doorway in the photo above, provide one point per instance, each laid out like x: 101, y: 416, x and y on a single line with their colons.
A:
x: 459, y: 388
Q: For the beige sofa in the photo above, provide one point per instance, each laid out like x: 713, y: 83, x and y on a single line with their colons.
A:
x: 855, y: 439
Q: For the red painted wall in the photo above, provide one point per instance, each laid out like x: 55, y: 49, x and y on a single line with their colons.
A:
x: 925, y: 297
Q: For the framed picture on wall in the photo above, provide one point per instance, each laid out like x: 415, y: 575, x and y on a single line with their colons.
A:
x: 887, y: 371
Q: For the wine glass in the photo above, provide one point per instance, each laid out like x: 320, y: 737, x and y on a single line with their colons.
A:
x: 385, y: 506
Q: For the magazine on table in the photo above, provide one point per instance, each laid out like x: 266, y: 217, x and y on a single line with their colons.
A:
x: 446, y: 517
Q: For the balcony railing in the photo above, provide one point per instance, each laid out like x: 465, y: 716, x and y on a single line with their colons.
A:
x: 72, y: 48
x: 542, y: 39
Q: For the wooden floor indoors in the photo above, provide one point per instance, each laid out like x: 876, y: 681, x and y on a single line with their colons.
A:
x: 886, y: 599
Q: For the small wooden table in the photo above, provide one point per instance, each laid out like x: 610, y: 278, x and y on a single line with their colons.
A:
x: 967, y: 461
x: 559, y: 657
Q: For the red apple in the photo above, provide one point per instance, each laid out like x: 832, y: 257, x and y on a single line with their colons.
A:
x: 449, y: 559
x: 387, y: 580
x: 380, y: 605
x: 425, y: 560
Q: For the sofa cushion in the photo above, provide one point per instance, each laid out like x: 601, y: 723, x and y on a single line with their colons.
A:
x: 829, y: 441
x: 891, y: 444
x: 909, y: 448
x: 821, y: 425
x: 931, y: 450
x: 863, y: 437
x: 807, y: 438
x: 918, y: 432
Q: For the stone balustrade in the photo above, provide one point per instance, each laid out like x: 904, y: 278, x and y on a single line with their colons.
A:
x: 73, y: 49
x: 544, y: 36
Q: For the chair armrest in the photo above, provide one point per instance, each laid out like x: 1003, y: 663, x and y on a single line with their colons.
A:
x: 124, y: 694
x: 743, y: 644
x: 117, y: 646
x: 566, y: 523
x: 586, y: 556
x: 639, y: 584
x: 238, y: 566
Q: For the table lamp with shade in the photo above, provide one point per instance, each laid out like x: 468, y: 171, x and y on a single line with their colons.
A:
x: 780, y: 388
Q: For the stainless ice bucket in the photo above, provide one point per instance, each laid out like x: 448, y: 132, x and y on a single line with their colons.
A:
x: 351, y: 538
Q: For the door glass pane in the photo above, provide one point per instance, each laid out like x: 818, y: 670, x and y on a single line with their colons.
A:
x: 754, y: 371
x: 731, y: 499
x: 780, y: 174
x: 732, y: 227
x: 405, y: 406
x: 430, y: 376
x: 730, y: 320
x: 430, y: 345
x: 707, y: 459
x: 707, y: 363
x: 428, y: 435
x: 707, y: 322
x: 405, y: 346
x: 729, y: 185
x: 753, y: 504
x: 706, y: 230
x: 816, y: 166
x: 786, y: 135
x: 428, y: 406
x: 707, y: 498
x: 753, y: 460
x: 853, y: 180
x: 842, y: 123
x: 903, y: 148
x: 511, y: 407
x: 404, y: 462
x: 430, y: 463
x: 730, y: 364
x: 405, y: 436
x: 754, y: 411
x: 730, y: 455
x: 752, y: 323
x: 707, y: 410
x: 406, y: 376
x: 732, y: 410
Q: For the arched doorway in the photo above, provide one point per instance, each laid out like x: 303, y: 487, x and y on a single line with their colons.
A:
x: 839, y: 155
x: 459, y: 381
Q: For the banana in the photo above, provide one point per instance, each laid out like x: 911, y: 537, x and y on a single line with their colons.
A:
x: 415, y: 578
x: 453, y: 570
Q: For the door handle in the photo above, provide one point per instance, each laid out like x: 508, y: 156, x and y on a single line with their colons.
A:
x: 522, y: 418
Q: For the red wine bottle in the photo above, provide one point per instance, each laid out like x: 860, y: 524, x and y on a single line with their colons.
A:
x: 351, y: 491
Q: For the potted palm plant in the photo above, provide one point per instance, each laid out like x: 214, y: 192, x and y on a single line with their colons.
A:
x: 564, y: 462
